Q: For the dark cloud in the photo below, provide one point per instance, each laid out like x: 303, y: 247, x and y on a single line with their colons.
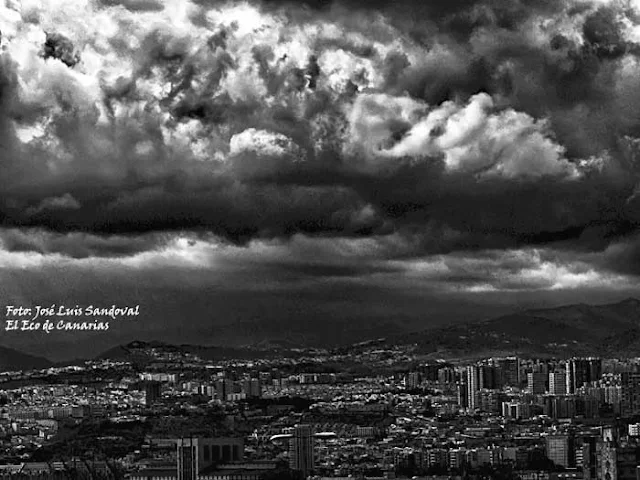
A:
x: 328, y: 271
x: 602, y: 32
x: 76, y: 245
x: 464, y: 125
x: 60, y: 47
x: 360, y: 167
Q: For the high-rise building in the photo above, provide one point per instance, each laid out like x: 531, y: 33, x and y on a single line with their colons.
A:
x: 412, y: 380
x: 510, y: 371
x: 537, y: 382
x: 540, y: 366
x: 576, y: 374
x: 430, y: 371
x: 515, y: 410
x: 187, y: 458
x: 152, y: 392
x: 616, y: 462
x: 251, y: 387
x: 224, y: 387
x: 473, y: 387
x: 220, y: 450
x: 301, y: 451
x: 581, y: 371
x: 490, y: 400
x: 560, y: 450
x: 630, y: 393
x: 463, y: 397
x: 557, y: 385
x: 595, y: 369
x: 446, y: 375
x: 562, y: 406
x: 195, y: 454
x: 488, y: 377
x: 613, y: 397
x: 586, y: 458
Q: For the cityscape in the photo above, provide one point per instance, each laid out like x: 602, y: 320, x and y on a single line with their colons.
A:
x: 319, y: 239
x: 368, y: 411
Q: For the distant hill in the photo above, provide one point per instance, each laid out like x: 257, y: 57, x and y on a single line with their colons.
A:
x: 135, y: 352
x: 142, y: 353
x: 612, y: 329
x: 13, y: 360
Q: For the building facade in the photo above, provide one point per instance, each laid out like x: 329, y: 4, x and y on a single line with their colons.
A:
x: 301, y: 450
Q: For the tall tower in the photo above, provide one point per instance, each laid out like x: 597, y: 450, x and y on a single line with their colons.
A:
x: 595, y: 369
x: 537, y: 382
x: 223, y: 388
x: 581, y: 371
x: 487, y: 377
x: 557, y: 385
x: 152, y: 392
x: 630, y: 393
x: 301, y: 454
x: 560, y: 450
x: 463, y: 397
x: 187, y: 459
x: 510, y: 368
x: 473, y: 386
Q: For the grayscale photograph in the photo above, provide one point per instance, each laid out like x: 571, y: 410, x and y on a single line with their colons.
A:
x: 320, y: 239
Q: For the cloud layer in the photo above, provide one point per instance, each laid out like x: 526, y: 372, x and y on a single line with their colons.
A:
x: 484, y: 131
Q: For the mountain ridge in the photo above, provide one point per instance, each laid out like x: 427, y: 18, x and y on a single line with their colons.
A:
x: 576, y: 329
x: 612, y: 328
x: 15, y: 360
x: 580, y: 329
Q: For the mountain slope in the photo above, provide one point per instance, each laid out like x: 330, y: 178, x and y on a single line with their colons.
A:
x: 573, y: 329
x: 12, y: 360
x: 612, y: 329
x: 142, y: 353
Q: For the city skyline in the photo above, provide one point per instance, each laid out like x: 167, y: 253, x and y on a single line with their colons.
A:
x: 313, y: 417
x: 320, y: 239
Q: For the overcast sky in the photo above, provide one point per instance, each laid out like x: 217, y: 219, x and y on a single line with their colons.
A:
x: 238, y: 169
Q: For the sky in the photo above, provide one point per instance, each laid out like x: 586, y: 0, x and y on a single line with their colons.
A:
x: 315, y: 171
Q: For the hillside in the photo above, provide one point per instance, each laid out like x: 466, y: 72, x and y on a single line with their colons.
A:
x: 612, y: 329
x: 12, y: 360
x: 142, y: 353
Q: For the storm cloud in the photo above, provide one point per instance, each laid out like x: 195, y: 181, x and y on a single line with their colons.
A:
x: 474, y: 129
